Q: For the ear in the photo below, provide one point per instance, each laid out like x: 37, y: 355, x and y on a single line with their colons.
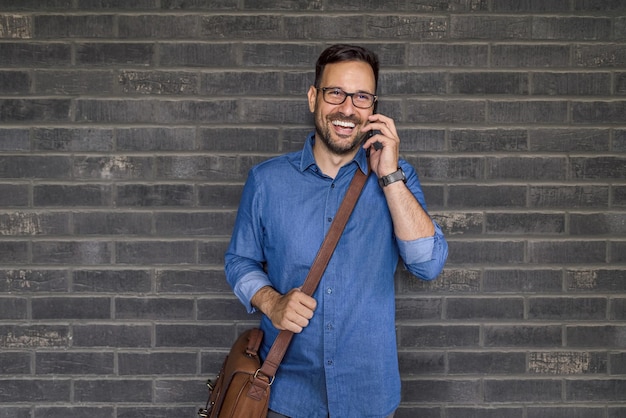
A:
x: 312, y: 94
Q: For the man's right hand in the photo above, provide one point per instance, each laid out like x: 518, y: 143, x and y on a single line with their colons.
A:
x: 291, y: 311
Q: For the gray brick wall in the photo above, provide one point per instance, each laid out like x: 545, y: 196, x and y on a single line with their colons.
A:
x: 126, y: 132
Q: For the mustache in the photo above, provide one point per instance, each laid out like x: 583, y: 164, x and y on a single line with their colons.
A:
x: 340, y: 116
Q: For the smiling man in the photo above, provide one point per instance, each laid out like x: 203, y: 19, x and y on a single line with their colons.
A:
x: 343, y: 361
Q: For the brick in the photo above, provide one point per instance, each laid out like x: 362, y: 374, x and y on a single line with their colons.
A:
x: 618, y: 363
x: 594, y: 168
x: 579, y: 309
x: 204, y: 336
x: 283, y: 55
x: 197, y: 55
x: 155, y: 139
x: 598, y: 112
x: 423, y: 308
x: 14, y: 82
x: 71, y: 252
x: 13, y: 308
x: 438, y: 336
x: 458, y: 223
x: 568, y: 197
x: 74, y: 82
x: 441, y: 168
x: 522, y: 336
x: 275, y: 5
x: 522, y: 390
x: 240, y: 139
x: 148, y: 411
x: 451, y: 280
x: 608, y: 223
x: 29, y: 110
x: 74, y: 412
x: 35, y: 55
x: 12, y: 252
x: 195, y: 223
x: 448, y: 391
x: 618, y: 251
x: 620, y: 28
x: 570, y: 252
x: 448, y: 111
x: 486, y: 252
x: 414, y: 28
x: 215, y: 309
x: 610, y: 390
x: 526, y: 168
x: 113, y: 168
x: 479, y: 412
x: 619, y: 196
x: 13, y: 363
x: 154, y: 309
x: 34, y: 390
x: 567, y: 140
x: 565, y: 412
x: 616, y: 412
x: 571, y: 84
x: 411, y: 83
x: 158, y: 83
x: 620, y: 79
x: 571, y: 28
x: 17, y: 139
x: 420, y: 364
x: 162, y: 195
x: 215, y: 168
x: 525, y: 223
x: 112, y: 223
x: 619, y: 141
x: 110, y: 54
x: 492, y: 363
x: 530, y: 6
x: 30, y: 223
x: 219, y: 197
x: 73, y: 140
x: 118, y: 335
x: 111, y: 281
x: 118, y: 4
x: 192, y: 281
x: 71, y: 308
x: 79, y: 195
x: 530, y: 56
x: 159, y: 26
x: 490, y: 27
x: 618, y: 309
x: 601, y: 336
x: 241, y: 83
x: 179, y: 391
x: 488, y: 140
x: 599, y: 5
x: 416, y: 140
x: 15, y: 412
x: 434, y: 196
x: 280, y: 111
x: 35, y: 167
x: 567, y: 363
x: 599, y: 56
x: 35, y: 4
x: 82, y: 26
x: 113, y: 391
x: 469, y: 196
x: 447, y: 55
x: 33, y: 281
x: 417, y: 411
x: 524, y: 281
x: 16, y: 26
x: 489, y: 83
x: 137, y: 364
x: 257, y: 27
x: 484, y: 309
x: 155, y: 252
x: 75, y: 363
x: 34, y: 336
x: 595, y: 280
x: 549, y: 112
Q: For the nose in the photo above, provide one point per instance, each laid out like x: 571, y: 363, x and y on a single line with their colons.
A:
x: 347, y: 107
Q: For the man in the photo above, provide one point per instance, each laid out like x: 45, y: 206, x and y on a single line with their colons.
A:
x: 342, y: 362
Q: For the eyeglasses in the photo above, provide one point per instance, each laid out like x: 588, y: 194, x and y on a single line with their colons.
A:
x: 336, y: 96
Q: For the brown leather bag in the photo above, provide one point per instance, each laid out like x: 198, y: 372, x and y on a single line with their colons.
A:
x: 242, y: 388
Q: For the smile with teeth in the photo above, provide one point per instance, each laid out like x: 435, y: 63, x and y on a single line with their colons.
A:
x: 343, y: 124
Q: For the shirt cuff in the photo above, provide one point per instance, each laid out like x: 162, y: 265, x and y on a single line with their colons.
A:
x: 247, y: 287
x: 419, y: 250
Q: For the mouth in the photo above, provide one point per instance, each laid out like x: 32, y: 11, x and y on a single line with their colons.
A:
x: 343, y: 127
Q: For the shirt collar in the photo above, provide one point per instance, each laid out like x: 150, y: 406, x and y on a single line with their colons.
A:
x: 308, y: 159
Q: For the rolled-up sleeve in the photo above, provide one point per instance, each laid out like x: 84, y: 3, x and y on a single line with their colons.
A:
x: 425, y: 257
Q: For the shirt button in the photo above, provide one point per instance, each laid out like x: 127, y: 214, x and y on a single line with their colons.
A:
x: 329, y: 362
x: 329, y: 219
x: 332, y: 186
x: 329, y: 326
x: 329, y: 291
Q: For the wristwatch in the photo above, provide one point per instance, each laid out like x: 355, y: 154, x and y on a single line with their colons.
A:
x: 392, y: 178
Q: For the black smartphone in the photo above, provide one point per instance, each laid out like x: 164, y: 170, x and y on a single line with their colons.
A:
x: 377, y: 145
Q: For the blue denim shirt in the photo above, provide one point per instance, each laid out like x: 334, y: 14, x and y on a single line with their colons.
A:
x: 345, y: 362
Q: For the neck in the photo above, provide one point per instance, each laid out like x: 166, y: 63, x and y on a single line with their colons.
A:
x: 328, y: 161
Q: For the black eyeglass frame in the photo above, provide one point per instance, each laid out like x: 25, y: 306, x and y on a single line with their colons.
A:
x: 350, y: 95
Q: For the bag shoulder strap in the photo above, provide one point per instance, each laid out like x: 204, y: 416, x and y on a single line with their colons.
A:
x: 280, y: 345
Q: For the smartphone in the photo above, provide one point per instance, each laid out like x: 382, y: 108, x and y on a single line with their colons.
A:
x: 377, y: 145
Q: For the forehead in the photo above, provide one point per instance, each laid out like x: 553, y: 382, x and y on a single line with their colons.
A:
x: 349, y: 75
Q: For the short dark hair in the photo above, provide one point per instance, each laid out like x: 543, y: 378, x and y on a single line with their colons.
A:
x: 341, y: 53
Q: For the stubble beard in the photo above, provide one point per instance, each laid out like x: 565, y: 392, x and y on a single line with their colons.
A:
x: 323, y: 128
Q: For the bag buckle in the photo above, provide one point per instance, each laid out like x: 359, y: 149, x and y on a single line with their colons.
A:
x: 271, y: 380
